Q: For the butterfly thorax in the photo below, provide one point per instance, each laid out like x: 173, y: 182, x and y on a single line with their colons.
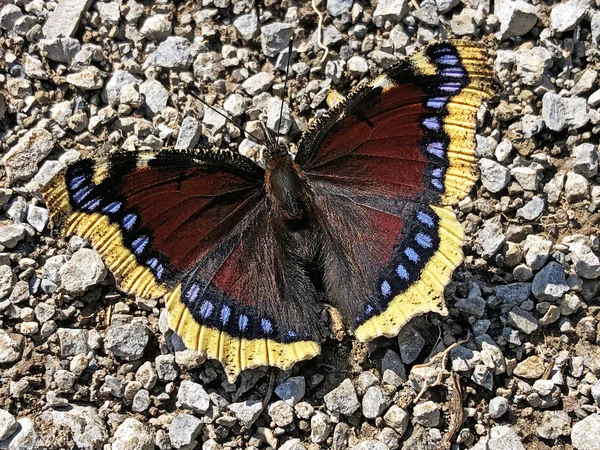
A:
x: 286, y: 187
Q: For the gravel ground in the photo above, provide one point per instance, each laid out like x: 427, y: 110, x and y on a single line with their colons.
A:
x: 83, y: 77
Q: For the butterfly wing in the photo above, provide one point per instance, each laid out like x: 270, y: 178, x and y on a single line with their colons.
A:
x: 380, y: 161
x: 193, y: 226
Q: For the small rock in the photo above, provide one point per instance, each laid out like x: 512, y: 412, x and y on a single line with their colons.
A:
x: 64, y: 20
x: 21, y: 162
x: 9, y: 15
x: 275, y: 38
x: 87, y: 79
x: 292, y: 390
x: 585, y: 160
x: 357, y: 66
x: 500, y: 438
x: 141, y: 401
x: 73, y: 341
x: 175, y: 53
x: 494, y: 176
x: 397, y: 418
x: 127, y: 341
x: 146, y: 375
x: 133, y: 435
x: 565, y: 16
x: 37, y: 217
x: 537, y: 250
x: 320, y: 427
x: 165, y: 368
x: 281, y: 413
x: 516, y: 18
x: 498, y: 407
x: 11, y: 235
x: 235, y: 105
x: 189, y: 133
x: 61, y: 50
x: 246, y: 412
x: 532, y: 209
x: 587, y: 263
x: 392, y: 369
x: 370, y: 444
x: 522, y: 320
x: 84, y: 270
x: 342, y: 399
x: 550, y: 284
x: 193, y: 396
x: 114, y: 86
x: 247, y: 26
x: 491, y: 238
x: 427, y: 414
x: 155, y: 95
x: 389, y: 10
x: 184, y: 430
x: 411, y: 344
x: 586, y: 433
x: 560, y: 112
x: 27, y: 437
x: 374, y: 402
x: 531, y: 368
x: 554, y: 424
x: 338, y: 7
x: 8, y: 425
x: 156, y: 27
x: 576, y: 187
x: 258, y: 83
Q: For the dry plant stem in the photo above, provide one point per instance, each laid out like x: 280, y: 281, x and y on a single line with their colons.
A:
x: 457, y: 415
x: 320, y: 31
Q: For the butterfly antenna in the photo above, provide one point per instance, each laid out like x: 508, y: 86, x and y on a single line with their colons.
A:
x: 229, y: 119
x: 287, y: 73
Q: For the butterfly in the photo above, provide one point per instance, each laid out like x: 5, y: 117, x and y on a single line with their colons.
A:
x: 245, y: 256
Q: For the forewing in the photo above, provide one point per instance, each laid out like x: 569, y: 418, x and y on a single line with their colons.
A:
x: 410, y: 133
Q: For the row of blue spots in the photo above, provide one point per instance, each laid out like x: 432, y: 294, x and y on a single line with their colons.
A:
x: 76, y: 182
x: 436, y: 178
x: 423, y: 240
x: 156, y: 267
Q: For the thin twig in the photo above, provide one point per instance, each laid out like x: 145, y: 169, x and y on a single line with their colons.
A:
x: 320, y: 31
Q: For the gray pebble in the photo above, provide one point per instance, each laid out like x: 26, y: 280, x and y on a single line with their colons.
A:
x: 281, y: 413
x: 565, y: 16
x: 585, y: 160
x: 133, y: 435
x: 532, y: 209
x: 491, y: 238
x: 61, y: 50
x: 522, y: 320
x: 500, y: 438
x: 64, y: 20
x: 586, y: 433
x: 166, y: 368
x: 235, y: 105
x: 342, y: 399
x: 258, y: 83
x: 561, y: 112
x: 155, y: 95
x: 516, y: 18
x: 8, y: 425
x: 84, y: 270
x: 550, y: 284
x: 114, y: 86
x: 494, y: 176
x: 184, y: 430
x: 173, y: 53
x: 537, y: 250
x: 320, y: 427
x: 389, y: 10
x: 498, y: 407
x: 9, y: 15
x: 146, y: 375
x: 193, y: 396
x: 141, y: 401
x: 21, y: 162
x: 375, y: 402
x: 11, y: 235
x: 397, y: 418
x: 37, y: 217
x: 427, y: 414
x: 292, y: 390
x: 275, y: 38
x: 189, y: 133
x: 410, y: 343
x: 73, y: 341
x: 7, y: 280
x: 392, y: 369
x: 127, y: 341
x: 247, y: 25
x: 246, y: 412
x: 156, y: 27
x: 587, y: 263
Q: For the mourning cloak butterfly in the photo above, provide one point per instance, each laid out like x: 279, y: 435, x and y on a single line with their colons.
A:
x: 244, y: 255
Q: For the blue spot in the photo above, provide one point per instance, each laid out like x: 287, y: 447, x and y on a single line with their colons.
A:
x: 453, y: 72
x: 448, y: 60
x: 437, y: 184
x: 225, y: 313
x: 81, y: 194
x: 436, y: 149
x: 76, y: 182
x: 266, y: 326
x: 437, y: 173
x: 152, y: 263
x: 159, y: 271
x: 386, y: 289
x: 206, y: 309
x: 112, y: 207
x: 140, y: 244
x: 402, y: 272
x: 243, y: 322
x: 192, y: 293
x: 423, y: 240
x: 451, y: 87
x: 442, y: 50
x: 412, y: 255
x: 437, y: 102
x: 425, y: 218
x: 368, y: 310
x: 129, y: 221
x: 291, y: 333
x: 433, y: 123
x: 91, y: 204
